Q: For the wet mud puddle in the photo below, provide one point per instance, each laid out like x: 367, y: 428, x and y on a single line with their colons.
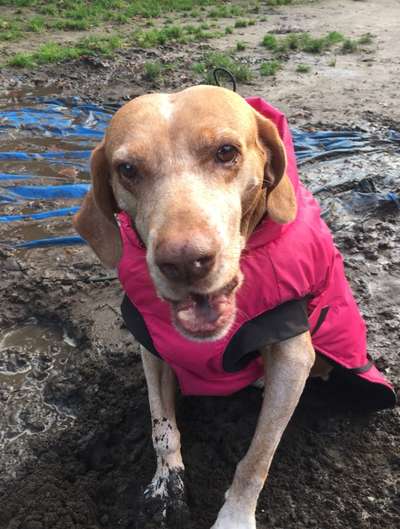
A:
x: 30, y: 353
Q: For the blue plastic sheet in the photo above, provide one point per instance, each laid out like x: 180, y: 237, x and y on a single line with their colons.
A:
x: 311, y: 146
x: 57, y: 118
x: 62, y: 212
x: 51, y: 241
x: 80, y: 125
x: 10, y: 177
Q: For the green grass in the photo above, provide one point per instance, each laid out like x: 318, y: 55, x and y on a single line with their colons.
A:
x: 241, y: 72
x: 349, y: 46
x: 10, y: 29
x: 310, y: 44
x: 352, y: 45
x: 301, y: 42
x: 181, y: 34
x: 79, y: 15
x: 70, y: 25
x: 303, y: 68
x: 54, y: 52
x: 199, y: 68
x: 240, y: 46
x: 37, y: 24
x: 241, y: 23
x: 270, y: 42
x: 226, y: 11
x: 153, y: 70
x: 367, y: 38
x: 269, y: 68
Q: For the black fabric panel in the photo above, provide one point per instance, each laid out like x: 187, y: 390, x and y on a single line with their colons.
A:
x: 345, y: 391
x: 136, y: 325
x: 283, y: 322
x: 321, y: 320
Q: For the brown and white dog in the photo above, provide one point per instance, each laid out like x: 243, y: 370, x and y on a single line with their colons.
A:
x: 189, y: 168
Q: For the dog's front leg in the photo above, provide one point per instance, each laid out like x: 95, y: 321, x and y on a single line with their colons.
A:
x: 164, y: 498
x: 286, y: 368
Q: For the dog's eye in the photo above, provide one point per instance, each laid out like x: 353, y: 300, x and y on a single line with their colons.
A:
x: 227, y: 154
x: 127, y: 170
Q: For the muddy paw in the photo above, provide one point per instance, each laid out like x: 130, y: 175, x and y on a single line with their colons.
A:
x: 164, y: 504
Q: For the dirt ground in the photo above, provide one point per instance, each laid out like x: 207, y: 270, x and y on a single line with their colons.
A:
x: 75, y: 444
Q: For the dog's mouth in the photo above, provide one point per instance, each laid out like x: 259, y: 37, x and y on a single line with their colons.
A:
x: 206, y: 316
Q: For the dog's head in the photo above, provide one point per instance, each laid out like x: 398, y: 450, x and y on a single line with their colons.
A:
x: 196, y: 171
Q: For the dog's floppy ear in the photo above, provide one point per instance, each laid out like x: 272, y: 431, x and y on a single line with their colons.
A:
x: 95, y: 220
x: 281, y: 198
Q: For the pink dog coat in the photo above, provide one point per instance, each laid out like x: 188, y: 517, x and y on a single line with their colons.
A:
x: 293, y: 281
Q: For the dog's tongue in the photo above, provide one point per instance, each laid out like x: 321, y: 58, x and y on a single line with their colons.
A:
x: 202, y: 315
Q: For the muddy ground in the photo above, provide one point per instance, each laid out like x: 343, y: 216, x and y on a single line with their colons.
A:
x: 74, y: 425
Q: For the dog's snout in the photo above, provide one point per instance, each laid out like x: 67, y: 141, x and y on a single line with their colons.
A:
x: 184, y: 261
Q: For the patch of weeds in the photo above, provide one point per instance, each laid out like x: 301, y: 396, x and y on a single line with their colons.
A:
x: 36, y: 24
x: 82, y: 14
x: 181, y: 34
x: 334, y: 37
x: 54, y: 52
x: 302, y: 42
x: 270, y: 42
x: 157, y: 37
x: 303, y: 68
x: 240, y: 46
x: 121, y: 18
x: 269, y: 68
x: 98, y: 44
x: 70, y: 25
x: 22, y: 60
x: 152, y: 70
x: 228, y: 30
x: 48, y: 9
x: 310, y: 45
x: 10, y: 29
x: 241, y: 23
x: 226, y: 11
x: 367, y: 38
x: 199, y: 68
x: 241, y: 72
x: 349, y: 46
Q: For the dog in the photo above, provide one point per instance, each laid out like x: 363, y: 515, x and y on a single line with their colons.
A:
x: 230, y: 274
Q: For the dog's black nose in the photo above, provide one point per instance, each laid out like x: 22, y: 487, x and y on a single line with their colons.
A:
x: 183, y: 263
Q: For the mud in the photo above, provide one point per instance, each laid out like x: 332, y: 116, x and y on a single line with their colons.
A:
x: 75, y: 441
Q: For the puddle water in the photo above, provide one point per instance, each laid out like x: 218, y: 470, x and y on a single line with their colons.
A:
x: 30, y: 354
x: 21, y: 346
x: 28, y: 230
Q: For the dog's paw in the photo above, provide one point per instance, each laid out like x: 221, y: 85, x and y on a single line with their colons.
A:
x: 234, y: 517
x: 163, y: 504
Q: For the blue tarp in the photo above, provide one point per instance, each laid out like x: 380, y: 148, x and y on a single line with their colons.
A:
x: 80, y: 125
x: 62, y: 212
x: 46, y: 192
